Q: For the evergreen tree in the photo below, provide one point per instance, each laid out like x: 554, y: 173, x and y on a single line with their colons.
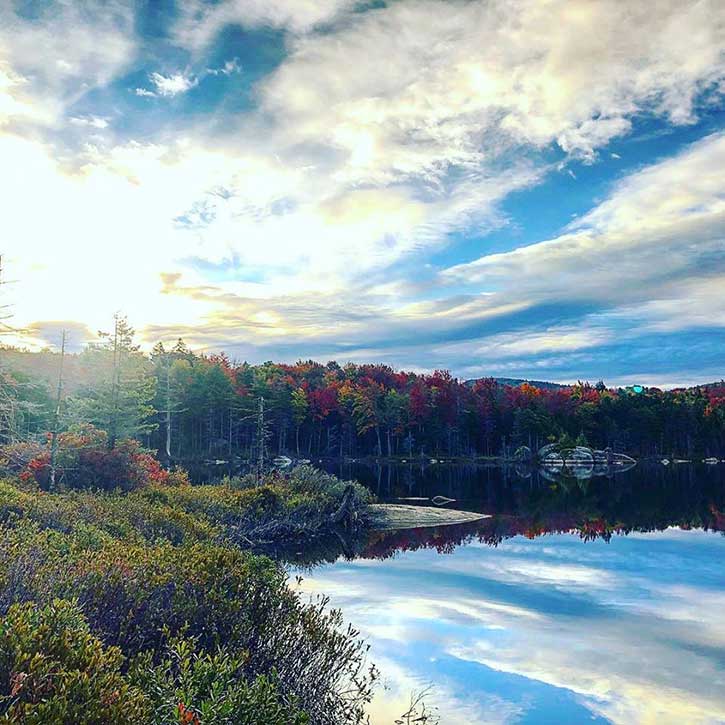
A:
x: 119, y: 398
x: 300, y: 410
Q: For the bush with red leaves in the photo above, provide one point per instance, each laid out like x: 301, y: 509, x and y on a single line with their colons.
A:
x: 84, y: 460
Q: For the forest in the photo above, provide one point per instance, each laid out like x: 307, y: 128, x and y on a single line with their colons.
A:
x: 191, y: 407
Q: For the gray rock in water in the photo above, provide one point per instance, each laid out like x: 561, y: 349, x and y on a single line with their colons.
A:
x: 391, y: 516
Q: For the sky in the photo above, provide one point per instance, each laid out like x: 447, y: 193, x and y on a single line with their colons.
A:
x: 513, y: 188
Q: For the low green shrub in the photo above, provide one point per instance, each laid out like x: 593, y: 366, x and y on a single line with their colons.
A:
x: 139, y: 596
x: 53, y: 670
x: 302, y: 501
x: 162, y: 581
x: 194, y: 686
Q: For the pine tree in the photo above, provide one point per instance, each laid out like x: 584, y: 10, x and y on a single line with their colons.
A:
x: 119, y: 400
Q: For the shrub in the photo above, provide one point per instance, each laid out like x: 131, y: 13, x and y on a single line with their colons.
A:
x: 15, y: 457
x: 53, y: 670
x: 210, y: 689
x: 324, y: 487
x: 158, y: 576
x: 138, y: 597
x: 84, y: 460
x: 177, y: 476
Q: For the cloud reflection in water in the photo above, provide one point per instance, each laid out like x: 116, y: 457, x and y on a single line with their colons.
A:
x: 550, y: 630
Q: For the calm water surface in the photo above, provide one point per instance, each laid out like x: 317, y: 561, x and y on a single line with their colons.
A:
x: 589, y: 626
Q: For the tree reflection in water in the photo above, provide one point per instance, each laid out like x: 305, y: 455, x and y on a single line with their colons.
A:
x: 646, y: 499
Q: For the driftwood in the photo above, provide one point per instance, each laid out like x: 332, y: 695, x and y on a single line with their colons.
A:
x: 346, y: 513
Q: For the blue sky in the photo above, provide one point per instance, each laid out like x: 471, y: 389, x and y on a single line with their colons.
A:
x: 497, y: 188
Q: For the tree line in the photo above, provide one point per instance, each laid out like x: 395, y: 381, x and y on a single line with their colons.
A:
x: 190, y: 406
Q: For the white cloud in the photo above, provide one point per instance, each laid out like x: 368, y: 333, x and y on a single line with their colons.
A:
x: 15, y: 103
x: 55, y: 59
x: 200, y: 21
x: 96, y: 122
x: 557, y: 338
x: 662, y: 224
x: 172, y: 85
x: 229, y: 68
x: 182, y: 82
x: 463, y: 84
x: 691, y: 303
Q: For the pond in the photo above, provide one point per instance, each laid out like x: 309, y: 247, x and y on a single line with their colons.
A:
x: 600, y: 600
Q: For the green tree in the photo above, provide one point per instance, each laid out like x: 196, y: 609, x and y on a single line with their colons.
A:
x: 368, y: 410
x: 119, y: 397
x: 300, y: 411
x: 395, y: 406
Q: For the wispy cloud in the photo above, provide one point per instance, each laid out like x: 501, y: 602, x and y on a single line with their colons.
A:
x: 66, y: 51
x: 659, y: 225
x: 200, y: 22
x: 172, y: 85
x: 229, y: 68
x: 178, y: 83
x: 96, y: 122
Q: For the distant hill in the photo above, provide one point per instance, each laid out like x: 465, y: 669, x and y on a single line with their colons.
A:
x: 43, y: 367
x: 515, y: 382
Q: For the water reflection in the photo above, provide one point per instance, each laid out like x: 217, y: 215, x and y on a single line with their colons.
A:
x: 474, y: 485
x: 640, y: 501
x: 515, y: 626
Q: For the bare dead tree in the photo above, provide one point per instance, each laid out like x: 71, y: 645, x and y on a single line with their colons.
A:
x: 56, y: 415
x: 262, y: 435
x: 419, y: 712
x: 8, y: 397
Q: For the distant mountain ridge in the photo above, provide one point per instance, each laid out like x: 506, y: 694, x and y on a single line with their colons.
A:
x: 515, y: 382
x: 543, y: 385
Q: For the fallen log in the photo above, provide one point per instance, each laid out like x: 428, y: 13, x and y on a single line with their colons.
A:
x: 391, y: 516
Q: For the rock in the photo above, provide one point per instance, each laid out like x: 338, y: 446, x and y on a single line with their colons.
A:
x: 390, y: 516
x: 442, y: 500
